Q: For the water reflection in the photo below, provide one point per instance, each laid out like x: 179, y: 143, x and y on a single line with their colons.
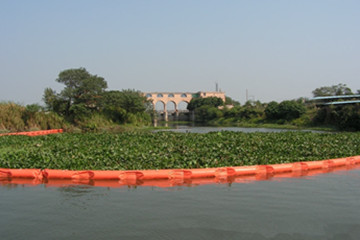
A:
x: 74, y: 191
x: 191, y: 128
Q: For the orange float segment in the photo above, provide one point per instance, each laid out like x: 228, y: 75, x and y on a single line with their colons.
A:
x: 328, y: 164
x: 350, y: 161
x: 83, y: 175
x: 87, y: 174
x: 224, y: 172
x: 106, y: 174
x: 340, y: 162
x: 180, y: 174
x: 300, y: 167
x: 315, y: 164
x: 34, y: 133
x: 245, y: 170
x: 57, y: 174
x: 264, y: 169
x: 21, y: 173
x: 131, y: 175
x: 354, y: 160
x: 160, y: 174
x: 5, y: 173
x: 284, y: 167
x: 203, y: 172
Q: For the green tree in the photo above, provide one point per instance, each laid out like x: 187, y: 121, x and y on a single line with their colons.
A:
x: 230, y: 101
x: 81, y: 88
x: 286, y: 110
x: 346, y: 117
x: 206, y: 113
x: 335, y: 90
x: 252, y: 110
x: 122, y: 106
x: 131, y: 101
x: 289, y: 110
x: 272, y: 110
x: 210, y: 101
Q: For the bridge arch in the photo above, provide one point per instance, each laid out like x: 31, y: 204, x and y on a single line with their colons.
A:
x: 182, y: 106
x: 171, y: 106
x: 159, y: 106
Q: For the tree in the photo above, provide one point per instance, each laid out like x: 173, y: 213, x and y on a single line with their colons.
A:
x: 81, y: 88
x: 290, y: 110
x: 131, y: 101
x: 272, y: 110
x: 335, y: 90
x: 206, y: 113
x: 286, y: 110
x: 209, y: 101
x: 346, y: 117
x: 230, y: 101
x: 121, y: 105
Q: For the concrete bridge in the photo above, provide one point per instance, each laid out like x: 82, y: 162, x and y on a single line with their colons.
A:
x: 178, y: 97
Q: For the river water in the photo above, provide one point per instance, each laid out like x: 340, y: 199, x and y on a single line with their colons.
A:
x: 324, y: 206
x: 205, y: 129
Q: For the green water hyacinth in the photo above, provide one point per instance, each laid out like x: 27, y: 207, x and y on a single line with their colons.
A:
x: 164, y: 150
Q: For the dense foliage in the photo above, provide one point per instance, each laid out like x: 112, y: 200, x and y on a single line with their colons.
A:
x: 251, y: 110
x: 123, y: 106
x: 345, y: 117
x: 84, y: 101
x: 14, y: 117
x: 81, y: 94
x: 287, y: 110
x: 335, y: 90
x: 172, y: 150
x: 200, y: 102
x: 342, y: 112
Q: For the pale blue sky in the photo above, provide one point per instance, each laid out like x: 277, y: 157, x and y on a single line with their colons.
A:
x: 276, y: 49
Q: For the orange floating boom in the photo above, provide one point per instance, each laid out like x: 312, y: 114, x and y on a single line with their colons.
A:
x: 175, y: 177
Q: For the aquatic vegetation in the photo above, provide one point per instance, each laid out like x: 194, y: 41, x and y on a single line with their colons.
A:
x: 161, y: 150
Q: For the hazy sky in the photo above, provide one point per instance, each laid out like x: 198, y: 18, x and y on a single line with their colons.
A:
x: 276, y: 49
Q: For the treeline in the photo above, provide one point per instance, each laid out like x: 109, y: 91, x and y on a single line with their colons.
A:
x: 301, y: 112
x: 214, y: 110
x: 83, y: 104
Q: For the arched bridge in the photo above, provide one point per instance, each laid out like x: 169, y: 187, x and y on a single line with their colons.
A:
x: 177, y: 97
